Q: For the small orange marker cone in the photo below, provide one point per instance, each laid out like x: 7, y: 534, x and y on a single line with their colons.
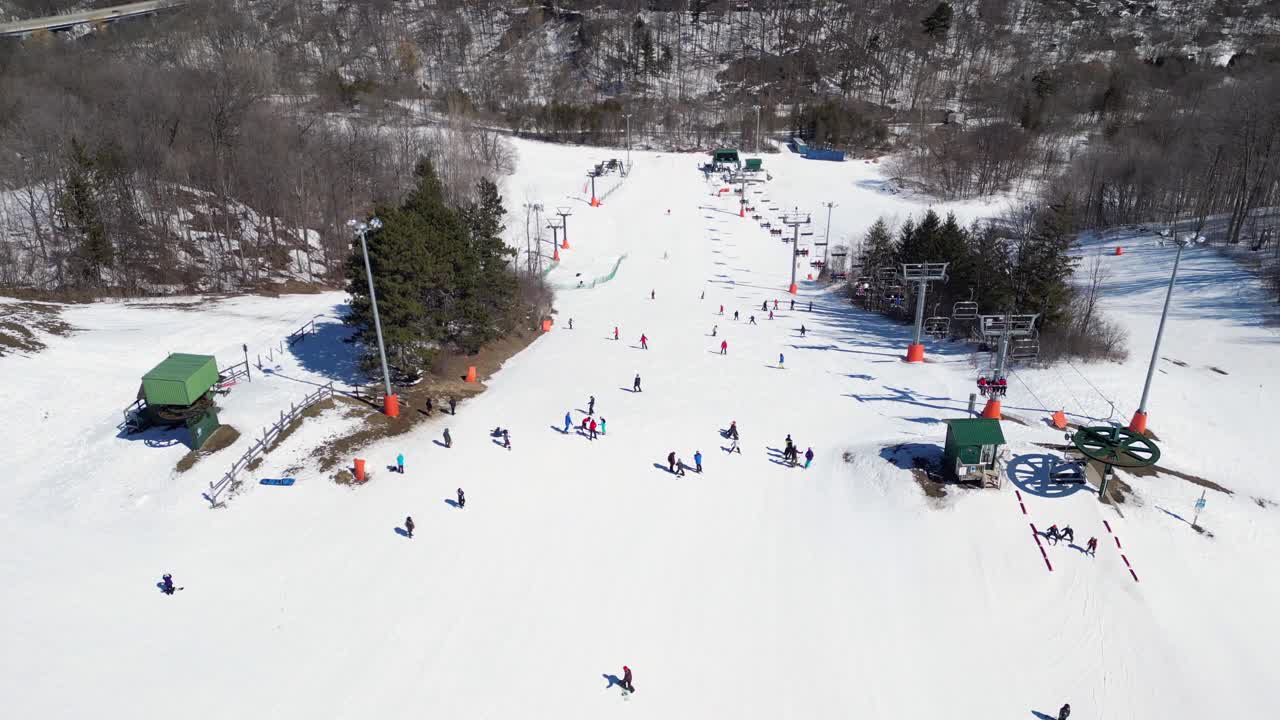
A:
x: 391, y: 406
x: 359, y: 468
x: 1060, y: 420
x: 556, y: 255
x: 564, y: 245
x: 546, y: 326
x: 992, y: 410
x: 594, y: 202
x: 1139, y: 423
x: 793, y: 289
x: 915, y: 353
x: 1119, y: 251
x: 471, y: 374
x: 742, y: 211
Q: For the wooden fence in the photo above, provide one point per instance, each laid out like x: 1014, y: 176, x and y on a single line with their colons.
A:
x: 269, y: 435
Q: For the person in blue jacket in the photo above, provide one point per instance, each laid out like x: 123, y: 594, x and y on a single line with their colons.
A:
x: 781, y: 358
x: 697, y: 461
x: 568, y: 423
x: 400, y: 463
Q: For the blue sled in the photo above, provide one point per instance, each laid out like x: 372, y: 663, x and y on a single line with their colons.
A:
x: 277, y: 481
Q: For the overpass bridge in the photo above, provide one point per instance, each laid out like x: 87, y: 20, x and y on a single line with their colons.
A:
x: 68, y: 21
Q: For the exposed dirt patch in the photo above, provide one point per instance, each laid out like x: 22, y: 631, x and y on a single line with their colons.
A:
x: 1154, y: 470
x: 201, y: 304
x: 446, y: 381
x: 21, y: 323
x: 925, y: 465
x: 1118, y: 491
x: 221, y: 439
x: 1218, y: 370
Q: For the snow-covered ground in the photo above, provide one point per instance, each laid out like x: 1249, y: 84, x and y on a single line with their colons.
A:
x: 753, y: 590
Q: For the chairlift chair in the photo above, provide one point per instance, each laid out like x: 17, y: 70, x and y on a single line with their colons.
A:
x: 886, y: 273
x: 964, y: 310
x: 1024, y: 348
x: 937, y: 326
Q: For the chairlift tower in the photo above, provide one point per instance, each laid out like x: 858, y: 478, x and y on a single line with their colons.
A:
x: 923, y: 274
x: 595, y: 202
x: 795, y: 219
x: 564, y: 213
x: 1002, y: 330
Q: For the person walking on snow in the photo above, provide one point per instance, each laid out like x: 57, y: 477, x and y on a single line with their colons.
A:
x: 802, y: 330
x: 752, y: 319
x: 602, y: 425
x: 733, y: 430
x: 570, y: 323
x: 808, y: 458
x: 697, y: 461
x: 591, y: 405
x: 506, y: 439
x: 1065, y: 712
x: 724, y: 347
x: 568, y: 422
x: 764, y: 305
x: 448, y: 439
x: 793, y: 303
x: 781, y: 358
x: 408, y: 526
x: 166, y: 584
x: 586, y: 421
x: 400, y: 463
x: 653, y: 294
x: 635, y: 387
x: 721, y: 309
x: 671, y: 462
x: 679, y: 468
x: 462, y: 499
x: 615, y: 332
x: 592, y: 431
x: 1092, y: 547
x: 714, y: 329
x: 626, y: 679
x: 1052, y: 535
x: 810, y: 306
x: 1069, y: 535
x: 453, y: 406
x: 735, y: 315
x: 770, y: 314
x: 775, y: 303
x: 644, y: 341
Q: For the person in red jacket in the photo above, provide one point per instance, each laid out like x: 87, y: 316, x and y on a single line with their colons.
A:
x: 724, y: 347
x: 592, y: 430
x: 626, y: 679
x: 644, y: 342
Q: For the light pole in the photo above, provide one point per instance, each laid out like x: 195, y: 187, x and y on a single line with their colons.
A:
x: 757, y: 107
x: 390, y: 402
x: 627, y: 117
x: 826, y: 240
x: 1139, y: 422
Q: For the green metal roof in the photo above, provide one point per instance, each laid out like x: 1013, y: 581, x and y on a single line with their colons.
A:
x: 178, y: 367
x: 976, y: 431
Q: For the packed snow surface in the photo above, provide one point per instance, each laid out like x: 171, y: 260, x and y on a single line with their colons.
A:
x: 751, y: 590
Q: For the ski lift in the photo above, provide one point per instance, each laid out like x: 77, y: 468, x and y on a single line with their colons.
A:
x: 938, y: 326
x: 1024, y: 348
x: 964, y: 310
x: 886, y: 273
x: 776, y: 231
x: 894, y: 294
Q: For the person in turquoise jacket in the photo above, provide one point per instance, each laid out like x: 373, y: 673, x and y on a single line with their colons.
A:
x: 697, y: 460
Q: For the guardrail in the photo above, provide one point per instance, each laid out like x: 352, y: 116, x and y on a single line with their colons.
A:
x: 269, y: 435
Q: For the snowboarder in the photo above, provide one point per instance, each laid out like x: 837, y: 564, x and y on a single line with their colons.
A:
x: 793, y: 303
x: 1069, y: 535
x: 462, y: 499
x: 448, y: 439
x: 1092, y: 547
x: 679, y: 468
x: 568, y: 423
x: 671, y: 462
x: 570, y: 323
x: 591, y: 405
x: 802, y: 330
x: 506, y: 439
x: 408, y: 526
x: 714, y: 329
x: 781, y: 358
x: 697, y: 461
x: 602, y: 425
x: 644, y: 341
x: 400, y: 463
x: 592, y: 431
x: 735, y: 315
x: 1065, y: 712
x: 626, y: 679
x: 635, y: 387
x: 430, y: 406
x: 1052, y: 535
x: 615, y: 332
x: 808, y: 458
x: 166, y: 584
x: 724, y: 347
x: 752, y: 319
x: 453, y: 406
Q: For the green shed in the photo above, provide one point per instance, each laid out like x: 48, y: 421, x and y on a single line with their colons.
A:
x: 180, y: 379
x: 725, y: 156
x: 973, y: 448
x: 755, y: 164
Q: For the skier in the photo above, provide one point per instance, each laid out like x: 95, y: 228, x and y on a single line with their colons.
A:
x: 1052, y: 535
x: 626, y: 679
x: 429, y: 407
x: 644, y: 341
x: 733, y: 430
x: 770, y: 314
x: 679, y: 468
x: 448, y: 439
x: 568, y: 422
x: 810, y: 306
x: 453, y: 406
x: 570, y: 323
x: 592, y: 431
x: 408, y: 526
x: 166, y: 584
x: 775, y: 303
x: 585, y: 422
x: 714, y: 329
x: 1092, y: 547
x: 724, y: 347
x: 506, y: 439
x: 753, y: 320
x: 808, y: 458
x: 704, y: 295
x: 602, y: 425
x: 793, y: 303
x: 462, y: 499
x: 1065, y: 712
x: 721, y: 309
x: 1069, y: 535
x: 615, y: 332
x: 400, y: 463
x: 735, y: 315
x: 591, y: 405
x: 636, y: 385
x: 671, y: 461
x: 781, y: 358
x: 653, y: 294
x: 764, y: 305
x: 802, y: 330
x: 697, y: 461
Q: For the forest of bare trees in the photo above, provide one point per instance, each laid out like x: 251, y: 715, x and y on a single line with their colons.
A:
x: 231, y: 141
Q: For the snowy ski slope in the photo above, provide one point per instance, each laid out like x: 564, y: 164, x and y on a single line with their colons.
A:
x: 753, y: 590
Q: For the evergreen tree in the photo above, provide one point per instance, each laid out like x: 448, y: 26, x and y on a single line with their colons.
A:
x: 920, y: 243
x: 80, y: 210
x: 1044, y: 266
x: 938, y: 24
x: 878, y: 249
x: 492, y: 285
